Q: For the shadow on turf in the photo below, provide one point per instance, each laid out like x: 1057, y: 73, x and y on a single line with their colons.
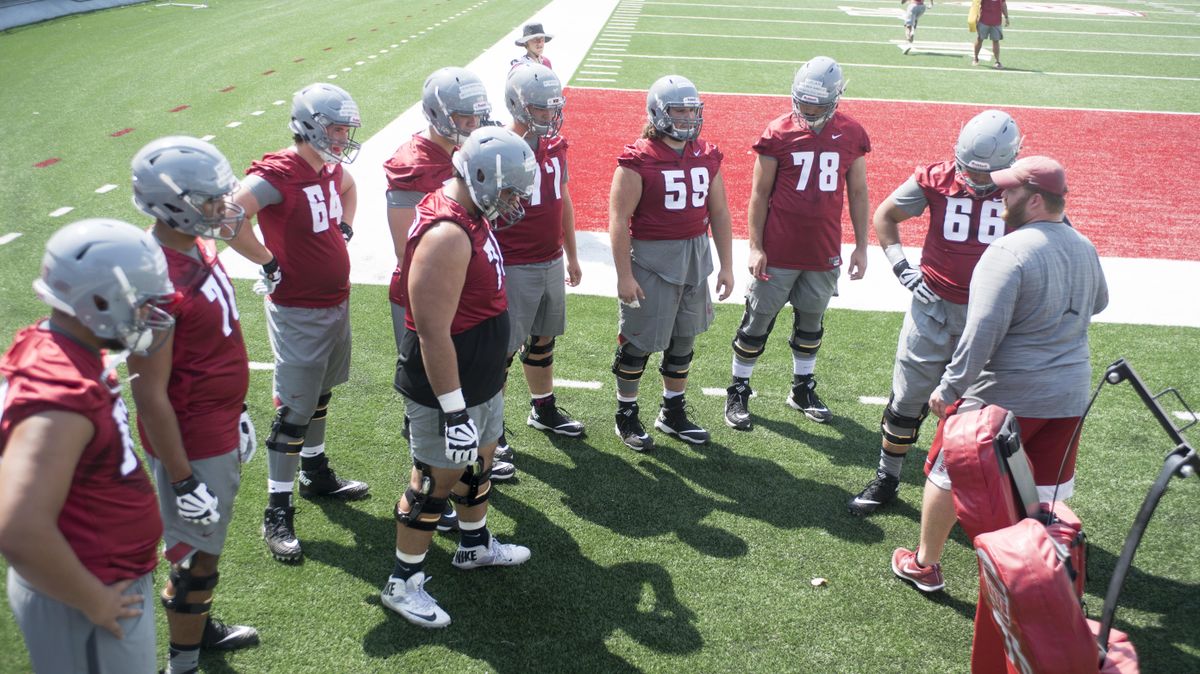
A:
x: 553, y: 613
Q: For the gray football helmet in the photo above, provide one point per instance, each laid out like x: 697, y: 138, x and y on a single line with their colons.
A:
x: 110, y: 275
x: 498, y: 167
x: 531, y: 85
x: 454, y: 91
x: 989, y: 142
x: 675, y: 92
x: 818, y: 82
x: 317, y: 107
x: 186, y: 183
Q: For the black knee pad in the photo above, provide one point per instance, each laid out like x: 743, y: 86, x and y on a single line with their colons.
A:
x: 184, y: 583
x: 424, y: 510
x: 286, y: 437
x: 676, y: 366
x: 322, y: 407
x: 531, y: 348
x: 749, y: 347
x: 628, y: 366
x: 901, y: 430
x: 479, y: 485
x: 805, y: 342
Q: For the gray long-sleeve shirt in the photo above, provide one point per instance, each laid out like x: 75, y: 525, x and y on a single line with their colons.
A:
x: 1025, y: 346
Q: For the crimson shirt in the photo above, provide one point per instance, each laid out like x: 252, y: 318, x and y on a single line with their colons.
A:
x: 990, y: 12
x: 674, y: 202
x: 210, y: 371
x: 961, y: 226
x: 110, y: 517
x: 804, y: 214
x: 538, y: 237
x: 302, y: 230
x: 419, y: 165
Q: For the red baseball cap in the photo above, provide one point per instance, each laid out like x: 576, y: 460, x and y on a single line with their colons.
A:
x: 1041, y: 172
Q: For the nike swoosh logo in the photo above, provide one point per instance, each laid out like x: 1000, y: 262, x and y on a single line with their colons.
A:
x: 427, y: 618
x: 836, y: 136
x: 697, y: 153
x: 865, y: 501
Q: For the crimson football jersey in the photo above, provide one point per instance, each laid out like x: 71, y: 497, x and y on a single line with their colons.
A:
x: 990, y: 12
x: 110, y: 517
x: 302, y: 230
x: 483, y: 291
x: 538, y: 236
x: 209, y: 368
x: 674, y: 203
x: 804, y: 214
x: 420, y: 165
x: 960, y: 228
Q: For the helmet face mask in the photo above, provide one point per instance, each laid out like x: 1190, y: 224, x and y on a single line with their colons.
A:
x: 990, y: 141
x: 674, y: 108
x: 499, y: 168
x: 326, y: 117
x: 187, y: 184
x: 816, y: 90
x: 533, y: 94
x: 454, y: 92
x: 111, y: 277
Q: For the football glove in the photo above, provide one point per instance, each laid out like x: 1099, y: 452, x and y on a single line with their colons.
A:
x: 247, y: 440
x: 462, y: 438
x: 269, y: 278
x: 347, y: 231
x: 195, y: 502
x: 910, y: 277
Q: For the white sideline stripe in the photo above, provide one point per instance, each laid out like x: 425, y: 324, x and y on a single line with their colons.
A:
x: 59, y: 212
x: 1178, y: 415
x: 594, y: 79
x: 916, y: 102
x: 960, y: 69
x: 261, y: 366
x: 7, y: 238
x: 600, y: 65
x: 720, y: 392
x: 596, y: 72
x: 923, y: 27
x: 207, y: 138
x: 233, y: 125
x: 105, y: 189
x: 571, y: 383
x: 256, y: 113
x: 917, y: 45
x: 872, y: 400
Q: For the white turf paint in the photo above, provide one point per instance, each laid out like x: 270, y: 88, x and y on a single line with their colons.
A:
x: 571, y: 383
x: 1135, y: 285
x: 1186, y: 417
x: 872, y: 400
x: 261, y: 366
x: 59, y: 212
x: 105, y: 189
x: 9, y: 238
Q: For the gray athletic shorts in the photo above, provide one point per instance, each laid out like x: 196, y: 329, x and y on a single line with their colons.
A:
x: 808, y: 291
x: 427, y: 429
x: 62, y: 639
x: 223, y: 475
x: 986, y: 32
x: 669, y: 310
x: 398, y: 328
x: 537, y: 300
x: 926, y: 346
x: 914, y: 14
x: 312, y: 353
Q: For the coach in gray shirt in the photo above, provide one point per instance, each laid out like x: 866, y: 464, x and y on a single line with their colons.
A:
x: 1024, y: 346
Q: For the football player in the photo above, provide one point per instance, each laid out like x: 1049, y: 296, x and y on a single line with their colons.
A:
x: 305, y: 203
x: 810, y: 161
x: 190, y: 393
x: 667, y: 194
x: 79, y: 522
x: 965, y: 215
x: 912, y: 16
x: 452, y: 363
x: 533, y: 252
x: 455, y: 103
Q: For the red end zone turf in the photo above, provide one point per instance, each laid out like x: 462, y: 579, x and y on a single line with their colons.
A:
x: 1128, y: 173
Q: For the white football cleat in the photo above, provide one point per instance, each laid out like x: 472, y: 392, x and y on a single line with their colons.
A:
x: 495, y: 554
x: 410, y: 600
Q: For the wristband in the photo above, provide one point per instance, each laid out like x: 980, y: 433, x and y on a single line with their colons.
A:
x: 452, y: 401
x: 184, y: 486
x: 272, y: 266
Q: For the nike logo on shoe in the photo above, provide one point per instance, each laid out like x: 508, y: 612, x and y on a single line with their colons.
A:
x: 836, y: 136
x: 866, y: 501
x: 426, y: 617
x: 463, y: 556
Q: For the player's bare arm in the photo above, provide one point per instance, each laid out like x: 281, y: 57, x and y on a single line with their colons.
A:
x: 349, y: 196
x: 35, y: 477
x: 149, y: 376
x: 399, y: 220
x: 756, y: 212
x: 245, y: 243
x: 888, y: 217
x: 574, y: 271
x: 860, y: 211
x: 435, y: 281
x: 720, y: 224
x: 622, y: 200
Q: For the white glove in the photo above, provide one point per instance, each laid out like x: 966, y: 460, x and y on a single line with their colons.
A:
x: 247, y: 440
x: 195, y: 502
x: 462, y: 438
x: 269, y: 278
x: 910, y: 277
